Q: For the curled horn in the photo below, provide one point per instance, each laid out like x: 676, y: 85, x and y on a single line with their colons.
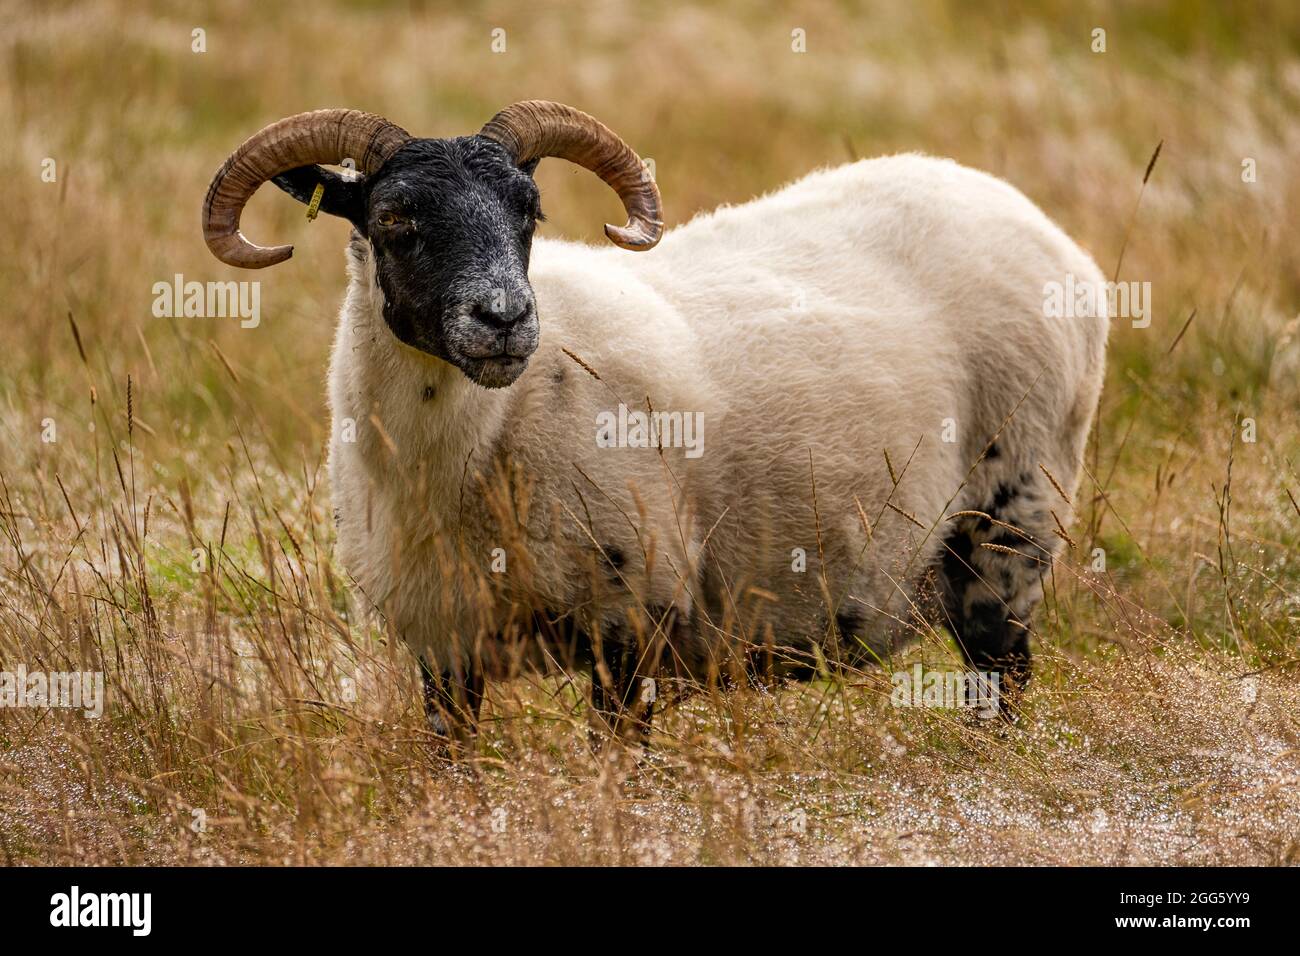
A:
x: 323, y: 136
x: 534, y: 129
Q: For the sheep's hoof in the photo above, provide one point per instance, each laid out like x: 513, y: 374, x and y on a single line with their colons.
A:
x: 450, y: 749
x: 606, y: 729
x: 451, y: 740
x: 1009, y: 698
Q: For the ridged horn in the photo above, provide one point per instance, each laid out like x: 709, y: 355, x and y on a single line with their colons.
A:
x: 533, y: 129
x: 322, y: 136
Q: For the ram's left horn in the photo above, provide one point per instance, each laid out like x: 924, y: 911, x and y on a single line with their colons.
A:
x: 534, y: 129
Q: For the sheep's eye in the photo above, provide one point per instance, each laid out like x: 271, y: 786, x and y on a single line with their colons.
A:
x: 387, y: 219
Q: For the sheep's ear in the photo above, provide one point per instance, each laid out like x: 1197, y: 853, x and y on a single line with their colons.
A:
x: 530, y: 167
x: 345, y: 198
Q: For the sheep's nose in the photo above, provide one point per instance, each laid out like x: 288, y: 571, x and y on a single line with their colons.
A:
x: 501, y: 315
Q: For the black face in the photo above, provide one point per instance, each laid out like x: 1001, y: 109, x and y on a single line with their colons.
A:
x: 451, y: 224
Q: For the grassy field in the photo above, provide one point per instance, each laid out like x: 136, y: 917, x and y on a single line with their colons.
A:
x: 165, y: 513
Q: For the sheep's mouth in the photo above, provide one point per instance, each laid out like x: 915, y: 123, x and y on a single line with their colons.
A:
x: 494, y: 364
x: 490, y: 354
x: 493, y: 371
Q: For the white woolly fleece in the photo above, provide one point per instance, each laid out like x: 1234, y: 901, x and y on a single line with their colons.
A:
x: 891, y: 305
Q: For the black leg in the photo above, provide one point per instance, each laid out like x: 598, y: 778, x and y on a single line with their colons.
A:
x: 991, y: 580
x: 993, y: 642
x: 452, y: 700
x: 611, y: 682
x: 623, y: 670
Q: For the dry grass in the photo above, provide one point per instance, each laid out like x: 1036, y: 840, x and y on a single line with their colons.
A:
x: 1144, y: 739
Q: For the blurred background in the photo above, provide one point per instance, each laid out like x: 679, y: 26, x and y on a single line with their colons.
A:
x: 717, y: 94
x: 182, y: 433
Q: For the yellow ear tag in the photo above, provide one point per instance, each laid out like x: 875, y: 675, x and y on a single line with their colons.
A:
x: 313, y: 207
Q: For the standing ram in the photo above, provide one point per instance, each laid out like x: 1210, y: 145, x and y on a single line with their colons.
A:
x: 879, y: 398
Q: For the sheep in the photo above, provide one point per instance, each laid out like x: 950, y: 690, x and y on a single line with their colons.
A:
x: 892, y: 427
